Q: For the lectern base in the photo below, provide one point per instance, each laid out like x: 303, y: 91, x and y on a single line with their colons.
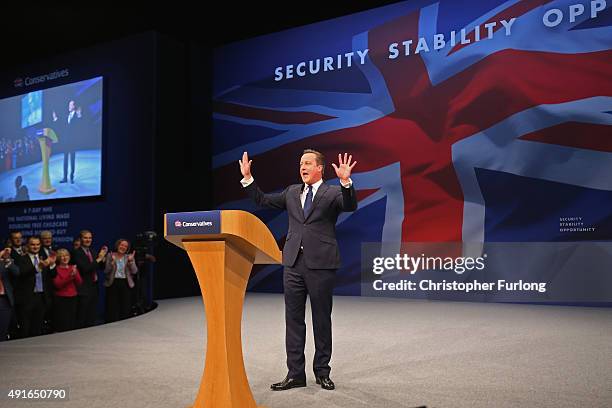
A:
x: 259, y: 406
x: 47, y: 190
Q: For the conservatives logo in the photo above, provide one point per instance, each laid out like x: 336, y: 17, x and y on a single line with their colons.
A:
x: 193, y: 224
x: 59, y: 73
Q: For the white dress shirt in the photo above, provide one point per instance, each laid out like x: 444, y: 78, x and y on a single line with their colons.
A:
x: 315, y: 187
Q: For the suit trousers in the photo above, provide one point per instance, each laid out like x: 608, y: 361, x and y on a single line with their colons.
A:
x: 65, y: 313
x: 72, y: 155
x: 118, y: 300
x: 6, y: 312
x: 300, y: 281
x: 87, y: 310
x: 31, y: 315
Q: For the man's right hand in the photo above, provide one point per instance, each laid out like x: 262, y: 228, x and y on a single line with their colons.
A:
x: 102, y: 253
x: 245, y: 166
x: 6, y: 253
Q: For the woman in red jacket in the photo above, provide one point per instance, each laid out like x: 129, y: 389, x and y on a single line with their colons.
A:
x: 66, y: 282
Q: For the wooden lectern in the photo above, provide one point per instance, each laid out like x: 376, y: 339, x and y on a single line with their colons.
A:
x: 223, y: 246
x: 46, y: 136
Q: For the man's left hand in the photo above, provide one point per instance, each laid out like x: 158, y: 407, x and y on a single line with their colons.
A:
x: 343, y: 169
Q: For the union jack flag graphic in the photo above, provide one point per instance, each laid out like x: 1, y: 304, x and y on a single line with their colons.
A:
x: 493, y: 140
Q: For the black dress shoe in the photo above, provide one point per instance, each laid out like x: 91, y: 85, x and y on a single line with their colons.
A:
x: 326, y: 382
x: 63, y: 180
x: 287, y: 384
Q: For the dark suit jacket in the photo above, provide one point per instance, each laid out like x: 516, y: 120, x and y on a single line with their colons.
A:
x: 53, y: 248
x: 15, y: 255
x: 43, y: 255
x: 68, y: 132
x: 9, y: 273
x: 22, y: 194
x: 87, y: 270
x: 25, y: 282
x: 317, y: 231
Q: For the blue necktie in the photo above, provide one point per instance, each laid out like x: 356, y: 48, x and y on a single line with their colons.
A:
x: 308, y: 201
x: 39, y: 284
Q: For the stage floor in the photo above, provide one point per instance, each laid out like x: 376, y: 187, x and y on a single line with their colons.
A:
x: 87, y: 180
x: 387, y: 353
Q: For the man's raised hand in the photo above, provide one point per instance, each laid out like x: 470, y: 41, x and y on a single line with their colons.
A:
x: 245, y: 166
x: 343, y: 169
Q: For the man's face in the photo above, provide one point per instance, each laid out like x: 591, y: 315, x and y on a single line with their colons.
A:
x: 47, y: 240
x: 71, y: 106
x: 310, y: 171
x: 16, y: 240
x: 86, y: 240
x: 33, y: 245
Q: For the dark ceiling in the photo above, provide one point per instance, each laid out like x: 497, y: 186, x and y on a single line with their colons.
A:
x: 31, y: 32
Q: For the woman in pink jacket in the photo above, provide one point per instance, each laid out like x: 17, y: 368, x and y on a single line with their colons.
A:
x: 119, y: 269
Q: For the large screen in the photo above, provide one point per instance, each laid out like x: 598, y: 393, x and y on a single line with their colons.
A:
x: 471, y: 122
x: 51, y: 143
x: 31, y: 109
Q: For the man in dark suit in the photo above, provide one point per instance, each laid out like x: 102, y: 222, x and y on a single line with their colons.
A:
x: 48, y: 249
x: 88, y: 265
x: 47, y: 245
x: 17, y: 247
x: 70, y: 128
x: 310, y: 257
x: 33, y: 289
x: 8, y: 272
